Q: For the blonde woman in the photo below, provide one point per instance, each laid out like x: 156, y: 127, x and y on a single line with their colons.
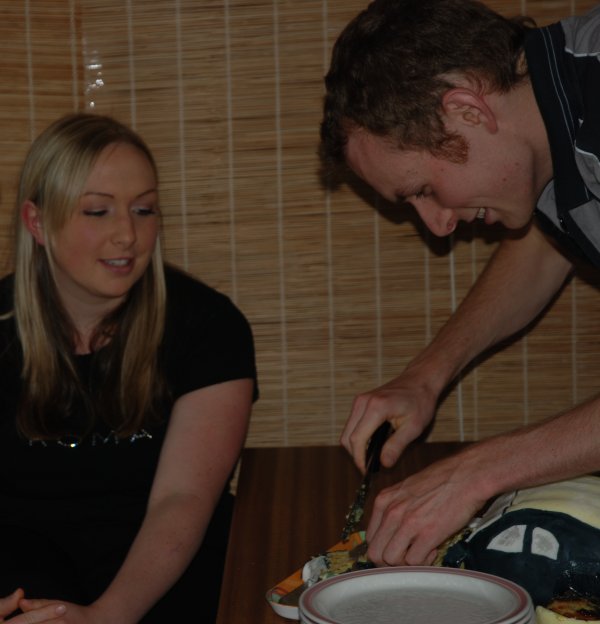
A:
x: 125, y: 393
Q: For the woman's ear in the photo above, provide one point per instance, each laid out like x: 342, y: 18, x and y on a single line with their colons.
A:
x: 463, y: 106
x: 32, y: 218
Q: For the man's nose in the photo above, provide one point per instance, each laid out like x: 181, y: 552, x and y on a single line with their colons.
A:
x: 439, y: 220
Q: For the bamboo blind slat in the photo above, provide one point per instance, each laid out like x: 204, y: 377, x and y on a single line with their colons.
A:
x: 341, y: 289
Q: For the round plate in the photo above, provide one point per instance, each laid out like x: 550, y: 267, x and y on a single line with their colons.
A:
x: 416, y: 595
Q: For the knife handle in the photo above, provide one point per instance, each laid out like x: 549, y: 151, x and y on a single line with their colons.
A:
x: 376, y: 443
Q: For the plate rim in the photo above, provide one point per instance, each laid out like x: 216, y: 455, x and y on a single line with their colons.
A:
x: 524, y: 600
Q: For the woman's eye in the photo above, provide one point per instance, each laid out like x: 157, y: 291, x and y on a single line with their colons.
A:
x: 95, y: 212
x: 144, y: 211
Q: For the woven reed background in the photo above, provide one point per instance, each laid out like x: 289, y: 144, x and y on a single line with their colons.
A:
x: 340, y: 296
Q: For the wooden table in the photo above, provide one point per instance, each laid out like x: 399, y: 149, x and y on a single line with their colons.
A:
x: 291, y: 504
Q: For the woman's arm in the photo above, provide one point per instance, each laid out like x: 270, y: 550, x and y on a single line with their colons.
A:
x: 204, y: 439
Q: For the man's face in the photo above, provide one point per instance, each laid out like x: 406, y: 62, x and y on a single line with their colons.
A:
x: 494, y: 182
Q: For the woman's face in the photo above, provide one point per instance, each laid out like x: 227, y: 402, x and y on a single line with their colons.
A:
x: 107, y: 244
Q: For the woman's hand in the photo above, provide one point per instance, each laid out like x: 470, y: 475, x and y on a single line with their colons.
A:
x: 41, y: 610
x: 49, y: 611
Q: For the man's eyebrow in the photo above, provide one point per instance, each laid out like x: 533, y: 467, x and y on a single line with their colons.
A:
x: 110, y: 195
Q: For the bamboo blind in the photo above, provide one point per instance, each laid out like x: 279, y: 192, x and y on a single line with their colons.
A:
x: 340, y: 295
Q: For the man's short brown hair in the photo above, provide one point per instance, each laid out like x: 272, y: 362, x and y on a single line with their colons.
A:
x: 392, y: 63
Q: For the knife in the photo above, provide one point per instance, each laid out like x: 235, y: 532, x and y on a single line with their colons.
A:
x: 357, y: 508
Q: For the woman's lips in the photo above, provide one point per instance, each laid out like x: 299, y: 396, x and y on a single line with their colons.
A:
x: 119, y: 265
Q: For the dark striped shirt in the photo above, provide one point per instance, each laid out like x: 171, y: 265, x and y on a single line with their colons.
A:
x: 564, y: 64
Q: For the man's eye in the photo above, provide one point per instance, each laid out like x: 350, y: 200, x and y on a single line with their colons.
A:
x: 424, y: 191
x: 418, y: 194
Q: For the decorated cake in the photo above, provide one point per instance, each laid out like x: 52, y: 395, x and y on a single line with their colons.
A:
x: 336, y: 561
x: 546, y: 539
x: 568, y: 610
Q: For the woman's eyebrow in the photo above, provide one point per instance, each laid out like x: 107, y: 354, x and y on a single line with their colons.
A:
x: 96, y: 193
x: 104, y: 194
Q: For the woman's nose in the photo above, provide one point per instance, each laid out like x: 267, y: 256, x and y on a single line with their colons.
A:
x: 124, y: 231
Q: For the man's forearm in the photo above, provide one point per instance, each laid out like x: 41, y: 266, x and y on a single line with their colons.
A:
x: 562, y: 447
x: 517, y: 284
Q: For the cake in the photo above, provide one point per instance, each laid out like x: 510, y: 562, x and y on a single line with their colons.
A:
x: 345, y: 556
x: 546, y: 539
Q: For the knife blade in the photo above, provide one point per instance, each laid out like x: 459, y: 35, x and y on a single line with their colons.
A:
x: 357, y: 508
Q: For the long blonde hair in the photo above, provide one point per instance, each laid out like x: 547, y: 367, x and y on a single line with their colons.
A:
x: 53, y: 175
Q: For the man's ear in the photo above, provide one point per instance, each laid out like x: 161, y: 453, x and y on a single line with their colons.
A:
x: 464, y: 106
x: 32, y: 218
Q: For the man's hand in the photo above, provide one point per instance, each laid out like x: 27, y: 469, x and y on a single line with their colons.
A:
x: 406, y: 402
x: 412, y: 518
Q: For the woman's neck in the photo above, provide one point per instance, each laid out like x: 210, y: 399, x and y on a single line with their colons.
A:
x: 85, y: 321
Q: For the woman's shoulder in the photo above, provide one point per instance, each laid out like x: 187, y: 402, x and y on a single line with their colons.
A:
x: 8, y: 331
x: 207, y: 339
x: 6, y: 294
x: 189, y: 291
x: 192, y: 302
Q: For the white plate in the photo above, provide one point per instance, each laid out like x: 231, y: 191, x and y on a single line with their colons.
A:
x: 416, y: 595
x: 290, y: 612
